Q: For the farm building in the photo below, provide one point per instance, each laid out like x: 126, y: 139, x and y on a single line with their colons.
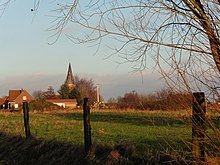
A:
x: 65, y: 103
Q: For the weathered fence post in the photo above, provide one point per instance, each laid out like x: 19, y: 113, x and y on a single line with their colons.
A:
x: 26, y: 118
x: 198, y: 126
x: 87, y: 126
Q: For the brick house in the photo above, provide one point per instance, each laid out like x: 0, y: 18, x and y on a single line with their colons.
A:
x: 4, y: 102
x: 15, y: 98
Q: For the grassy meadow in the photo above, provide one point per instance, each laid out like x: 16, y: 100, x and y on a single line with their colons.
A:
x: 146, y: 131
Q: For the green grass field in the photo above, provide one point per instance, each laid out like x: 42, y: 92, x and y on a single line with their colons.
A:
x: 150, y: 130
x: 154, y: 131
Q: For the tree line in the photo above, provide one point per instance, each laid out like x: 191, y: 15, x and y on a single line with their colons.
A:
x: 165, y: 99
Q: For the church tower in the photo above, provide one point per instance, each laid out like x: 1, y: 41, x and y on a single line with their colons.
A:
x: 69, y: 78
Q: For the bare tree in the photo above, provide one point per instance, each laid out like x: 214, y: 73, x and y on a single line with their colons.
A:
x: 37, y: 94
x: 86, y: 87
x: 83, y: 88
x: 3, y: 6
x: 181, y: 36
x: 50, y: 93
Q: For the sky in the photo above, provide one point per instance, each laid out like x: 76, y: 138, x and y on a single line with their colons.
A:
x: 28, y: 61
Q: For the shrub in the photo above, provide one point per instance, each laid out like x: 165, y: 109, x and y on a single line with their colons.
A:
x: 41, y: 104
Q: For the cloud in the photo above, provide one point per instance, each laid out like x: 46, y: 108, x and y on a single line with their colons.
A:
x: 30, y: 82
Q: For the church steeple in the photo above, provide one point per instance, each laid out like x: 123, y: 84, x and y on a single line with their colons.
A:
x: 69, y: 78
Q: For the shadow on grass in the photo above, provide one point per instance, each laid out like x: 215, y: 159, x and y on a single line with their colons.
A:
x: 18, y: 150
x: 128, y: 118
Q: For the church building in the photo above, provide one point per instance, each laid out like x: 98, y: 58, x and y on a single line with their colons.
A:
x: 66, y: 103
x: 69, y: 78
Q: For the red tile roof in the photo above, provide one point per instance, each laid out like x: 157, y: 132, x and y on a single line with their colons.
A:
x: 2, y: 101
x: 17, y: 96
x: 13, y: 94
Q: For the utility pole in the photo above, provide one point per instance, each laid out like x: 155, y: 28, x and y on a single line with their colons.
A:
x: 97, y: 93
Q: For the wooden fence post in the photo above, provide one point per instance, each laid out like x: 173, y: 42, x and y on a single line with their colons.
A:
x: 198, y: 127
x: 26, y: 118
x: 87, y: 126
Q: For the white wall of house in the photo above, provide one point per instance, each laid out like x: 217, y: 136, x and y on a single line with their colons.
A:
x: 61, y: 104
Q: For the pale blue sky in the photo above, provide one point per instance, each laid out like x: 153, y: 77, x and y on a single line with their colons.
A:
x: 28, y: 61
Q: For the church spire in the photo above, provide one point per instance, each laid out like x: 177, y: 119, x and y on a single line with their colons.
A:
x: 69, y: 78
